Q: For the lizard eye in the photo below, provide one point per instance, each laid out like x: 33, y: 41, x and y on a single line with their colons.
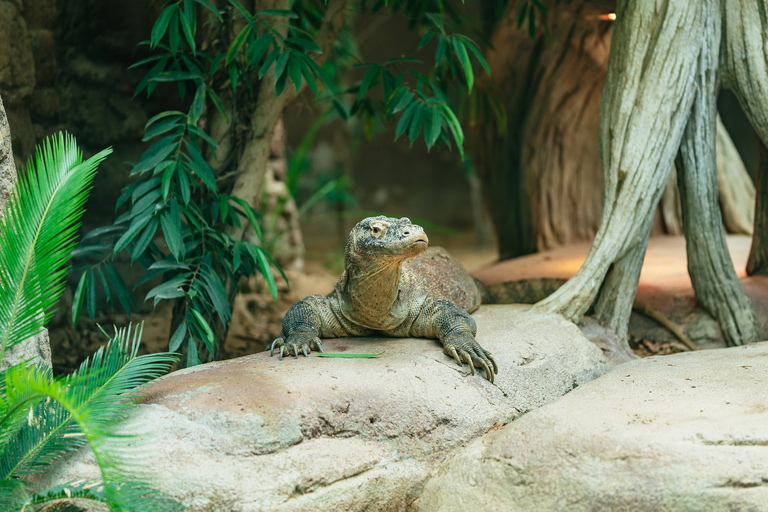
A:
x: 376, y: 230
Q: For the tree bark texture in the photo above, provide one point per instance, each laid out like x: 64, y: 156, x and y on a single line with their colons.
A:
x: 252, y: 162
x: 660, y: 91
x: 758, y: 254
x: 542, y: 179
x: 744, y: 64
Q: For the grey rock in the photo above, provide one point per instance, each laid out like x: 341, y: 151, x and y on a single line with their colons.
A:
x: 34, y: 350
x: 256, y: 433
x: 686, y: 432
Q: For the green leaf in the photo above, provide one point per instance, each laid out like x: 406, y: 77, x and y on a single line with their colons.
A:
x: 161, y: 25
x: 123, y: 294
x: 233, y: 74
x: 307, y: 72
x: 250, y: 213
x: 461, y: 54
x: 426, y: 39
x: 137, y: 224
x: 184, y: 186
x: 192, y: 357
x: 432, y: 126
x: 238, y: 43
x: 282, y: 62
x: 171, y: 289
x: 198, y: 103
x: 472, y: 47
x: 257, y: 49
x: 405, y: 119
x: 340, y: 108
x: 294, y: 71
x: 178, y: 336
x: 208, y: 339
x: 263, y: 261
x: 303, y: 43
x: 347, y: 355
x: 90, y: 298
x: 268, y: 62
x: 278, y: 12
x: 215, y: 290
x: 416, y: 123
x: 173, y: 237
x: 155, y: 154
x: 163, y: 127
x: 201, y: 168
x: 77, y: 300
x: 167, y: 177
x: 105, y: 286
x: 145, y: 238
x: 280, y: 84
x: 368, y: 79
x: 403, y: 102
x: 188, y: 24
x: 162, y: 115
x: 219, y: 105
x: 442, y: 46
x: 144, y: 187
x: 454, y: 126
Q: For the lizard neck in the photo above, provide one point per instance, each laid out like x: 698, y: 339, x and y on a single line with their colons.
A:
x: 372, y: 288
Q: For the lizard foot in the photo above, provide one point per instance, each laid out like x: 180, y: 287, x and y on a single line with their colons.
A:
x: 465, y: 349
x: 303, y: 342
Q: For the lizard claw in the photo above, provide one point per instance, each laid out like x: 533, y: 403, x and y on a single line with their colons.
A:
x: 296, y: 343
x: 465, y: 350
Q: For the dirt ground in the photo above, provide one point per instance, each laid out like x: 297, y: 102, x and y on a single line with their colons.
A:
x: 257, y: 318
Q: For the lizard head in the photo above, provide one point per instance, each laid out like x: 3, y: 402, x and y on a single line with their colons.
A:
x: 385, y: 238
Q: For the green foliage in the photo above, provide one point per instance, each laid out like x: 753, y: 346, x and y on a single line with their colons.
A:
x: 178, y: 192
x: 42, y: 418
x: 37, y: 234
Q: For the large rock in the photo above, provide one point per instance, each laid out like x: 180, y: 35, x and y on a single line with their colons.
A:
x: 687, y: 432
x: 256, y: 433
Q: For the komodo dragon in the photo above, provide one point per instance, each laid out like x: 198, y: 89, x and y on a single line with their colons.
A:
x: 385, y: 290
x: 393, y: 285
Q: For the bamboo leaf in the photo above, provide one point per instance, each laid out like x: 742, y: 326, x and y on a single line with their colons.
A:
x: 178, y: 336
x: 161, y: 25
x: 208, y: 339
x: 77, y: 300
x: 238, y: 43
x: 278, y: 12
x: 368, y: 79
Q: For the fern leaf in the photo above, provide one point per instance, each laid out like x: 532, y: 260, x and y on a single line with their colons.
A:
x: 37, y: 234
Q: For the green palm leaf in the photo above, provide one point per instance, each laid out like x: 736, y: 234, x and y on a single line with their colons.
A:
x: 37, y: 234
x: 87, y: 406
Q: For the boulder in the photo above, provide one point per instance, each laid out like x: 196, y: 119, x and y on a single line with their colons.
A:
x: 313, y: 433
x: 687, y: 432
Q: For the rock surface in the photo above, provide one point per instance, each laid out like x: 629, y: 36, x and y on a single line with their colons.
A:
x: 687, y: 432
x: 256, y: 433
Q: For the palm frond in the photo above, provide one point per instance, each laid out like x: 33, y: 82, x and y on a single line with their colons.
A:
x: 92, y: 402
x: 37, y: 234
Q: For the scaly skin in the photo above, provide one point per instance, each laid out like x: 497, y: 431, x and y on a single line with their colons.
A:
x: 376, y: 295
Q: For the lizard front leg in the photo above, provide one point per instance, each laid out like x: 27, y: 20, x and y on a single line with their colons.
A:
x: 306, y: 322
x: 456, y: 329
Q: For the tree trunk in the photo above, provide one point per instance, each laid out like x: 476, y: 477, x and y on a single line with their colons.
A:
x: 744, y: 65
x: 660, y: 90
x: 757, y: 264
x: 542, y: 179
